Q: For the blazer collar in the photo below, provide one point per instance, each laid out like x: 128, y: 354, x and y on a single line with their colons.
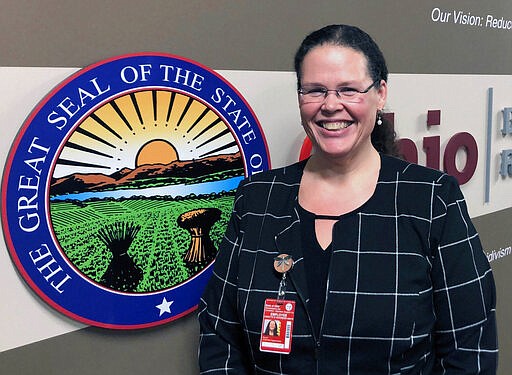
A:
x: 288, y: 241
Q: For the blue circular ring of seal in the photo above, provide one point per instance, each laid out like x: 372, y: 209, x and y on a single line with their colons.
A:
x: 31, y: 164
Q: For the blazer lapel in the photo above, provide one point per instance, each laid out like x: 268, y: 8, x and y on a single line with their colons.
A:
x: 289, y: 242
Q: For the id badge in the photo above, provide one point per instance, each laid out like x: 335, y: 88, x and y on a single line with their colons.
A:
x: 277, y: 326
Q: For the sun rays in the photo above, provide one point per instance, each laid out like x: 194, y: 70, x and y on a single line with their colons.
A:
x: 145, y: 127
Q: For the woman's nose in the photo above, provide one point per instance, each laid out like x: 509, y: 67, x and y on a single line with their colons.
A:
x: 332, y: 102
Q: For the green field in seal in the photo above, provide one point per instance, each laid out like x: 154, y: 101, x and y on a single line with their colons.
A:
x: 157, y: 249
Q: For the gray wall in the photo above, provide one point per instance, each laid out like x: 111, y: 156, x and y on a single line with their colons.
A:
x: 244, y: 34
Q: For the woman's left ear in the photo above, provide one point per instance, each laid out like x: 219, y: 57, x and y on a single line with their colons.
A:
x: 383, y: 93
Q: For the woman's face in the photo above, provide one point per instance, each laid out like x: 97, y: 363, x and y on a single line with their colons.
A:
x: 336, y: 127
x: 272, y: 325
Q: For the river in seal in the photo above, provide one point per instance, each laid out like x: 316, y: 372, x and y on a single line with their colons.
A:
x: 172, y: 191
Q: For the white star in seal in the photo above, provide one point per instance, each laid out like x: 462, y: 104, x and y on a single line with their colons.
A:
x: 164, y: 307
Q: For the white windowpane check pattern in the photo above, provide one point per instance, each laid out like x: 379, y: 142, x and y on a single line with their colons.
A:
x: 409, y: 289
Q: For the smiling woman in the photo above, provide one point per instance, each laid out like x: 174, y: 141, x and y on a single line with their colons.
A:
x: 389, y: 273
x: 157, y: 151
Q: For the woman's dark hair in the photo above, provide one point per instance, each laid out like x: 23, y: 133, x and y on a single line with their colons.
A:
x: 383, y: 136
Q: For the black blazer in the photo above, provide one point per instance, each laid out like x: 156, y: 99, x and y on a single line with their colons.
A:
x: 409, y: 288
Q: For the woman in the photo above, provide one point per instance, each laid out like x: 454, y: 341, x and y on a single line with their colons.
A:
x: 271, y: 329
x: 389, y: 276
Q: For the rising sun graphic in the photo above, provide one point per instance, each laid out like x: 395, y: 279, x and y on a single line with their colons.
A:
x: 147, y: 127
x: 157, y: 151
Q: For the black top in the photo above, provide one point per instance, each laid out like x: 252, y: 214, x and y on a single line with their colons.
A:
x: 316, y: 263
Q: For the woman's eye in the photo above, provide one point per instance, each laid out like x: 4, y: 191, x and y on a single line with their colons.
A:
x: 316, y: 91
x: 347, y: 91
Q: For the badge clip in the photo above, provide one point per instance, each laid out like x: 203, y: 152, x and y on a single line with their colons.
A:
x: 283, y: 263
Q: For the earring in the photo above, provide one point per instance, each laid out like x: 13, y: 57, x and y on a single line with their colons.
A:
x: 379, y: 117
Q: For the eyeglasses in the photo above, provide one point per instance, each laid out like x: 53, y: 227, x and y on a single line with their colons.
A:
x: 317, y: 94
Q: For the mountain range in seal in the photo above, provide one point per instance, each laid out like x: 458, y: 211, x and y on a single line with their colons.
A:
x: 147, y: 175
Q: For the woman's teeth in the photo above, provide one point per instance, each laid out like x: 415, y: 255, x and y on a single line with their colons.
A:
x: 336, y: 125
